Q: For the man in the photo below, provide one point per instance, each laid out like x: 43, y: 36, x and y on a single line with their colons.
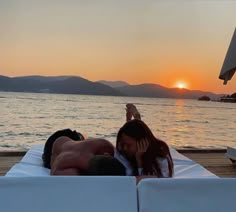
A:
x: 66, y: 152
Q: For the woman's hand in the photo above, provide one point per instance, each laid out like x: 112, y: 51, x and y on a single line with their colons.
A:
x: 131, y: 111
x: 142, y: 147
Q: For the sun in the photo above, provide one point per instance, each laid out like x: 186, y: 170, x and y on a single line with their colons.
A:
x: 180, y: 85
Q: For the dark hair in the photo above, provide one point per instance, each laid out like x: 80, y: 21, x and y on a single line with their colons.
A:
x: 138, y: 130
x: 105, y: 165
x: 49, y: 143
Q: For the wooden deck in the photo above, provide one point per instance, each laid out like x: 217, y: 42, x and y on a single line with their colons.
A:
x: 213, y: 160
x: 7, y: 161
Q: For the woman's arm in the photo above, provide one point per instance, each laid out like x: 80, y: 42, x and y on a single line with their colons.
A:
x: 142, y: 147
x: 164, y: 166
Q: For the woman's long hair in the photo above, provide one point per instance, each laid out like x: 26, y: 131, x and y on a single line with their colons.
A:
x: 138, y: 130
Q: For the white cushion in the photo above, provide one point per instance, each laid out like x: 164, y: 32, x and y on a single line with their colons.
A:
x: 68, y: 194
x: 27, y: 170
x: 192, y: 171
x: 180, y: 159
x: 187, y: 168
x: 34, y: 155
x: 30, y: 165
x: 185, y: 195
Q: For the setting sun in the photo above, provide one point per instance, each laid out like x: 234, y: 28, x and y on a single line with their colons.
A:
x: 180, y: 85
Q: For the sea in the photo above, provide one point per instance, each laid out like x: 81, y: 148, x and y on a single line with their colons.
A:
x: 30, y: 118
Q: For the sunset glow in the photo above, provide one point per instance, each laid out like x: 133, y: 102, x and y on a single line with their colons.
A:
x: 160, y: 42
x: 180, y: 85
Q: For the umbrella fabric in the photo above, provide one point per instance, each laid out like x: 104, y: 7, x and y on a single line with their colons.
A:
x: 229, y: 65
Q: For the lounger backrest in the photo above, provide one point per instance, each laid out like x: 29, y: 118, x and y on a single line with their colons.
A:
x: 185, y: 195
x: 27, y: 170
x: 65, y: 194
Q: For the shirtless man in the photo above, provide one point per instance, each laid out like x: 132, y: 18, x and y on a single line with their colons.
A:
x: 80, y: 157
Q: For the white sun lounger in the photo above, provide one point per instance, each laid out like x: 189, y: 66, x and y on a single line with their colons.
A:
x: 68, y: 194
x: 231, y: 154
x: 185, y: 195
x: 40, y: 193
x: 32, y: 165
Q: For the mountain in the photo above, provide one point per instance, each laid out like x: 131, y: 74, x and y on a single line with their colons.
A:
x: 79, y: 85
x: 44, y: 78
x: 64, y: 85
x: 113, y: 84
x: 158, y: 91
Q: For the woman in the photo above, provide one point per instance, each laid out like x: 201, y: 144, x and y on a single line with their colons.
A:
x: 146, y: 154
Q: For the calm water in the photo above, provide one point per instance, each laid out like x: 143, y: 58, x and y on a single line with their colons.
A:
x: 27, y: 119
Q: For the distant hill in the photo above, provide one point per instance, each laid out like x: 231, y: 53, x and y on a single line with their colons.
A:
x: 113, y: 84
x: 154, y: 90
x: 79, y: 85
x: 63, y: 85
x: 43, y: 78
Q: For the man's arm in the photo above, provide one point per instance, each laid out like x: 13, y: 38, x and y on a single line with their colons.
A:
x: 69, y: 171
x: 57, y: 147
x: 70, y: 163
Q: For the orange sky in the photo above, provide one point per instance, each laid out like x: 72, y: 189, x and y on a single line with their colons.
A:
x: 160, y: 42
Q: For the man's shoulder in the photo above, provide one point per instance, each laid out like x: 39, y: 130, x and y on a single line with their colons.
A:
x: 60, y: 144
x: 98, y: 140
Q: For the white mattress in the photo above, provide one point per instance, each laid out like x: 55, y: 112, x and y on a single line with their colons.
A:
x: 185, y: 195
x: 68, y: 194
x: 31, y: 165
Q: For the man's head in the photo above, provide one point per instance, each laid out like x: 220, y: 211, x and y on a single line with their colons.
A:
x: 106, y: 166
x: 49, y: 143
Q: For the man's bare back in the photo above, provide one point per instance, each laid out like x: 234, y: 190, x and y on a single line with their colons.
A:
x: 71, y: 157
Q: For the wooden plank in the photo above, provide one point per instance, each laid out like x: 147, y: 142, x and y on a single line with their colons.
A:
x: 215, y: 162
x: 12, y: 153
x: 6, y: 162
x: 192, y: 150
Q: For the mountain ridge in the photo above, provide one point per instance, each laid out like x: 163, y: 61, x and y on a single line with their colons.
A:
x: 78, y: 85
